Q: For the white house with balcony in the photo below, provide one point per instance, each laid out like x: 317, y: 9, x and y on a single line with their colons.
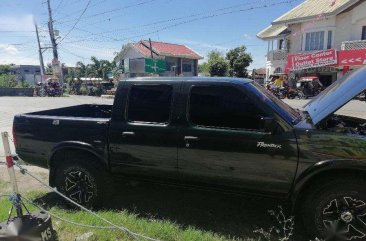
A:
x: 316, y: 25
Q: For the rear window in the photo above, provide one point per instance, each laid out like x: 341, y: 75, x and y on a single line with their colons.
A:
x: 149, y: 104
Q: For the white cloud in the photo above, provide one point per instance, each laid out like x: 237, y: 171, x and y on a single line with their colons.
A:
x: 18, y: 59
x: 9, y: 49
x: 247, y: 36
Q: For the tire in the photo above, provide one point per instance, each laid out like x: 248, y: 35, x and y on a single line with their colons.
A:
x: 340, y: 203
x: 84, y: 181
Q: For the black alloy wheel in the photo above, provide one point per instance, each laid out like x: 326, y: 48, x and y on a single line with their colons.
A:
x: 336, y: 210
x: 344, y: 218
x: 80, y: 186
x: 84, y: 182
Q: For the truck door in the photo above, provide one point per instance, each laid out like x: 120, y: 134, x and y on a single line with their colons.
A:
x: 222, y: 141
x: 143, y: 131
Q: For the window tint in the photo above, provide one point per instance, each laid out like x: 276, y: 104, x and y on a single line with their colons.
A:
x: 224, y: 107
x: 149, y: 103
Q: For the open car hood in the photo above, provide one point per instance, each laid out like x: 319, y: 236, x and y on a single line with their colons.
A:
x: 336, y: 95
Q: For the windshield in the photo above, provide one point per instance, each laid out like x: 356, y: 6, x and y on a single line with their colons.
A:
x: 290, y: 114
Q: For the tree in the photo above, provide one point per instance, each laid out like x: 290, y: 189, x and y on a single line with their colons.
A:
x: 203, y: 68
x: 217, y: 65
x: 4, y: 68
x: 239, y: 60
x: 100, y: 68
x: 80, y: 70
x: 8, y: 81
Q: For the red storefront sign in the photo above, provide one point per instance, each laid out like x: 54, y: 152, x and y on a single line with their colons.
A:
x: 352, y: 57
x: 311, y: 60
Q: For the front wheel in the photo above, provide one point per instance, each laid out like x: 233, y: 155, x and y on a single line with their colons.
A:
x: 336, y: 210
x: 82, y: 181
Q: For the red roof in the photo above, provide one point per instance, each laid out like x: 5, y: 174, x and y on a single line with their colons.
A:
x: 166, y: 49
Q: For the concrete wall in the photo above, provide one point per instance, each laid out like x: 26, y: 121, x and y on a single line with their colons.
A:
x: 16, y: 91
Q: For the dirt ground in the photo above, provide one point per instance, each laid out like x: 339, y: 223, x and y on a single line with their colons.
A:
x: 25, y: 183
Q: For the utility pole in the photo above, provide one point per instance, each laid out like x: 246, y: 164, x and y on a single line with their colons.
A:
x: 151, y: 51
x: 40, y: 54
x: 52, y: 33
x: 57, y: 67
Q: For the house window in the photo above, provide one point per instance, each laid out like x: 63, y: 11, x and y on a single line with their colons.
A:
x: 314, y: 41
x: 363, y: 37
x: 187, y: 67
x: 170, y: 66
x: 149, y: 103
x: 329, y: 42
x: 223, y: 107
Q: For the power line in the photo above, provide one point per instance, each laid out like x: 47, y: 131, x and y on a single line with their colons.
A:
x: 57, y: 7
x: 194, y: 20
x: 69, y: 52
x: 164, y: 21
x: 77, y: 21
x: 159, y: 22
x: 173, y: 19
x: 78, y: 11
x: 113, y: 10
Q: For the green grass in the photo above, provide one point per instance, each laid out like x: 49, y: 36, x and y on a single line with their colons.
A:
x: 158, y: 229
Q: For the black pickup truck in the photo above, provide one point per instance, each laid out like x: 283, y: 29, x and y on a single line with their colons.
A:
x: 216, y: 133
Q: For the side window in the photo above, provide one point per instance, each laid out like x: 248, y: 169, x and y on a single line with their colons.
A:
x: 223, y: 107
x: 363, y: 37
x: 149, y: 103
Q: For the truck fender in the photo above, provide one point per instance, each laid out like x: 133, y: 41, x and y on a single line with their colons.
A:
x: 76, y: 146
x: 321, y: 169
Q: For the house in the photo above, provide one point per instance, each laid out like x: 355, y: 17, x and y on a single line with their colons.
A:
x: 258, y: 75
x: 164, y: 59
x: 28, y: 73
x: 325, y: 38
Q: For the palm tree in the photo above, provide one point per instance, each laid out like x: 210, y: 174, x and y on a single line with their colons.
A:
x: 80, y: 69
x: 100, y: 68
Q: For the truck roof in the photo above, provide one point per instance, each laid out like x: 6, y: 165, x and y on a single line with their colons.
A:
x: 200, y: 79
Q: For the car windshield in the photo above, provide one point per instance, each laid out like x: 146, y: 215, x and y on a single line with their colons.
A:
x: 285, y: 110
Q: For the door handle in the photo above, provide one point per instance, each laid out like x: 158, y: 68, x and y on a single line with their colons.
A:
x: 128, y: 133
x: 191, y: 138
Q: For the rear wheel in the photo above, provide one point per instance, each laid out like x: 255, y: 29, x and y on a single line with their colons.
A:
x: 83, y: 181
x: 336, y: 210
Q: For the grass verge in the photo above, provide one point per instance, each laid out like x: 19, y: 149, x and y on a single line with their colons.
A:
x: 158, y: 229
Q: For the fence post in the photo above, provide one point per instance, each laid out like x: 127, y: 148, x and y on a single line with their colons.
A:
x: 11, y: 171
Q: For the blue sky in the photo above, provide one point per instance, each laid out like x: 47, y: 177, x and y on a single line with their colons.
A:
x: 106, y: 25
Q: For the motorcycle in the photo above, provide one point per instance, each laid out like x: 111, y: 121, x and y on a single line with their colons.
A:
x: 52, y: 89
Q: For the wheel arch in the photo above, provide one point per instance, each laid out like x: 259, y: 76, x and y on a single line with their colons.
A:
x: 58, y: 155
x: 323, y: 171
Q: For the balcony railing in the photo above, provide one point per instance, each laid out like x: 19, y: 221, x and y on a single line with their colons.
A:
x: 277, y: 55
x: 352, y: 45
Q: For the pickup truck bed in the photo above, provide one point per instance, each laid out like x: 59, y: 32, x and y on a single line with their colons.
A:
x: 61, y: 127
x: 83, y: 111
